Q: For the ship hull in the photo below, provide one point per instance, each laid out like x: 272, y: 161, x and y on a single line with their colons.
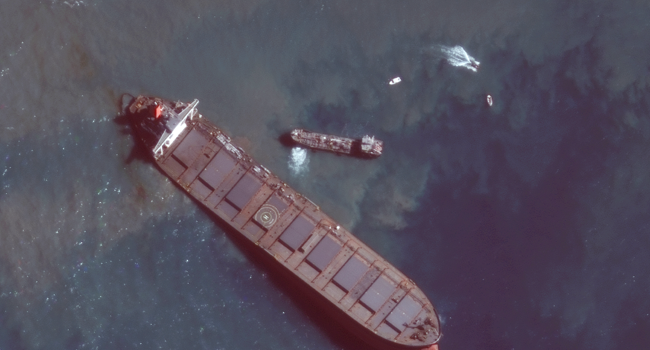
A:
x: 341, y: 275
x: 336, y: 144
x: 297, y: 289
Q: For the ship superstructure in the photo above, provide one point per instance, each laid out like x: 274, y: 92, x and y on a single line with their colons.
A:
x: 343, y: 276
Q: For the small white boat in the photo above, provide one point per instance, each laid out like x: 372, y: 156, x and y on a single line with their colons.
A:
x: 489, y: 100
x: 395, y: 80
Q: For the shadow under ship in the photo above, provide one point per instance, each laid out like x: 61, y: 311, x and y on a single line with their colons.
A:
x: 344, y: 277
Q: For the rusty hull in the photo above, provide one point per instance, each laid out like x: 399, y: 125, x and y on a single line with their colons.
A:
x: 346, y: 278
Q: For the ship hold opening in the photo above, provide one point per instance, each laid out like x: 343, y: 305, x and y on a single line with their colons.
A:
x: 243, y: 191
x: 297, y: 233
x: 323, y: 253
x: 372, y: 297
x: 377, y: 294
x: 350, y: 273
x: 403, y: 313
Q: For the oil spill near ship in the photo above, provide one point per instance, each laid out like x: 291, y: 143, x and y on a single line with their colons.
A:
x: 525, y: 223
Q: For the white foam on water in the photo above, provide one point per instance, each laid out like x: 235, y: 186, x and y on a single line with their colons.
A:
x: 456, y: 56
x: 74, y: 3
x: 298, y: 161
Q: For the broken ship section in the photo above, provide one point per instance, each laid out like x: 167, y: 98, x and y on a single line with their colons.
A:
x: 345, y: 277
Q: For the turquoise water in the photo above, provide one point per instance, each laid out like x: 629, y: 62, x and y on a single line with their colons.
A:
x: 525, y: 223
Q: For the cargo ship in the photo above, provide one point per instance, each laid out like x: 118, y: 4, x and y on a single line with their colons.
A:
x: 344, y: 278
x: 367, y: 146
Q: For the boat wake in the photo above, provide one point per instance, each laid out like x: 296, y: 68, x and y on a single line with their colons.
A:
x: 71, y: 3
x: 298, y: 161
x: 456, y: 56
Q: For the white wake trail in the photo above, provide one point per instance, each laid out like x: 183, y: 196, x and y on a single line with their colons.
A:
x: 298, y: 161
x: 455, y: 55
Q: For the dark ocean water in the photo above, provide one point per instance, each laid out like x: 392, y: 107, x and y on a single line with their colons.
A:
x: 527, y: 224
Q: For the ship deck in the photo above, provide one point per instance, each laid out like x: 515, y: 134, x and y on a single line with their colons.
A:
x: 323, y: 141
x: 390, y: 310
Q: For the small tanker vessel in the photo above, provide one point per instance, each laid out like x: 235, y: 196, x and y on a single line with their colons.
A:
x: 367, y: 146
